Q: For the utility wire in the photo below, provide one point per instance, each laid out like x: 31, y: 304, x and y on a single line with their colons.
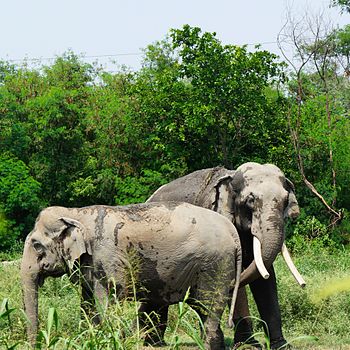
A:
x: 53, y: 58
x: 109, y: 56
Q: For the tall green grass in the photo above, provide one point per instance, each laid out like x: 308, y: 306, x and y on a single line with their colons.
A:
x: 302, y: 314
x: 63, y: 326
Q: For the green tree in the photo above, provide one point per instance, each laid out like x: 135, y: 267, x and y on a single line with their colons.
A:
x: 20, y: 200
x: 161, y: 96
x: 206, y: 103
x: 42, y: 122
x: 73, y: 134
x: 57, y: 141
x: 318, y: 115
x: 341, y: 40
x: 343, y: 4
x: 228, y: 88
x: 19, y: 86
x: 113, y: 139
x: 5, y: 69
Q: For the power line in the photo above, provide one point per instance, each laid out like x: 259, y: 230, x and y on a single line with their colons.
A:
x: 83, y: 57
x: 27, y: 59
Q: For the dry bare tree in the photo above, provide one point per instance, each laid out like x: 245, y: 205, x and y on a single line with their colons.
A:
x: 307, y: 46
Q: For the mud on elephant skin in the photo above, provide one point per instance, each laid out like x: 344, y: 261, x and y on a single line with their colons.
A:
x: 177, y: 245
x: 256, y: 198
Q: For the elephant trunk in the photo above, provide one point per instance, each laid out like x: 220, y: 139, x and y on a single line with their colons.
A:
x: 268, y: 237
x: 30, y: 281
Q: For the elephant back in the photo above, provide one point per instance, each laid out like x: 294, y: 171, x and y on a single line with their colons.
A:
x: 198, y: 188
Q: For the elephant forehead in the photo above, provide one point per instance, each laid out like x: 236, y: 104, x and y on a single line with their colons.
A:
x: 255, y: 171
x: 51, y: 226
x: 269, y: 176
x: 38, y: 236
x: 49, y: 218
x: 264, y: 175
x: 259, y: 168
x: 266, y: 191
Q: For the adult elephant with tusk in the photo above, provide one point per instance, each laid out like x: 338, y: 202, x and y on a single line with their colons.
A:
x: 256, y: 198
x: 169, y: 248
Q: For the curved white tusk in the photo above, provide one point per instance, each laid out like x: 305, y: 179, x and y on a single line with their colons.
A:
x: 258, y: 258
x: 292, y: 267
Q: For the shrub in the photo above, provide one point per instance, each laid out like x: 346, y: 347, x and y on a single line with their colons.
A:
x: 310, y: 233
x: 137, y: 189
x: 19, y: 199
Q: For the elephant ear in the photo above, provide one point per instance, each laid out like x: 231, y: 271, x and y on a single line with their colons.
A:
x: 292, y: 210
x: 74, y: 240
x: 224, y: 196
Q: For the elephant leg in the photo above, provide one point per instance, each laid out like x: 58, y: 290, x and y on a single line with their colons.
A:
x: 210, y: 307
x: 87, y: 302
x: 210, y: 317
x: 214, y: 339
x: 242, y: 320
x: 198, y: 307
x: 266, y: 298
x: 153, y: 319
x: 101, y: 300
x: 210, y: 314
x: 91, y: 290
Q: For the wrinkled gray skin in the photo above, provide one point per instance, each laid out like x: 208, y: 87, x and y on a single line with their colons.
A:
x: 256, y: 198
x: 170, y: 246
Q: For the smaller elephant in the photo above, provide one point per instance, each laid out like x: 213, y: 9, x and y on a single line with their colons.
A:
x: 177, y: 246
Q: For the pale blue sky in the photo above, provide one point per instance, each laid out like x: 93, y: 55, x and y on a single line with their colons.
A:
x: 45, y: 28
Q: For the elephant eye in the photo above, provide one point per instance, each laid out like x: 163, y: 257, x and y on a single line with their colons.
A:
x: 38, y: 247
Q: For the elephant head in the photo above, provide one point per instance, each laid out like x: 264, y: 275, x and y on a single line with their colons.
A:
x: 262, y: 197
x: 50, y: 250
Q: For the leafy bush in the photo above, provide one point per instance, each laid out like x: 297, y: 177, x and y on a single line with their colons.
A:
x: 137, y: 189
x: 310, y: 233
x: 19, y: 200
x: 6, y: 239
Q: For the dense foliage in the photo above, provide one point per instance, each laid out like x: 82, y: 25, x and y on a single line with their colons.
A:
x: 73, y: 134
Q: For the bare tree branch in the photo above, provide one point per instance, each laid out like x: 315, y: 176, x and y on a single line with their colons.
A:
x: 307, y: 49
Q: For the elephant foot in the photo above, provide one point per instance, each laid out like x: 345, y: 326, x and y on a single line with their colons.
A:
x: 214, y: 342
x: 154, y: 343
x: 244, y: 346
x: 251, y: 344
x: 280, y: 343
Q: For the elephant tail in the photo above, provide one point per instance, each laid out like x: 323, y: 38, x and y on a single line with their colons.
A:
x: 236, y: 286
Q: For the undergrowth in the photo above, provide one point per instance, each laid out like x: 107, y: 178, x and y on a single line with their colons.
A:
x: 63, y: 326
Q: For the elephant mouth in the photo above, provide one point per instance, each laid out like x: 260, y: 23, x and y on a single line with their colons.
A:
x: 50, y: 272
